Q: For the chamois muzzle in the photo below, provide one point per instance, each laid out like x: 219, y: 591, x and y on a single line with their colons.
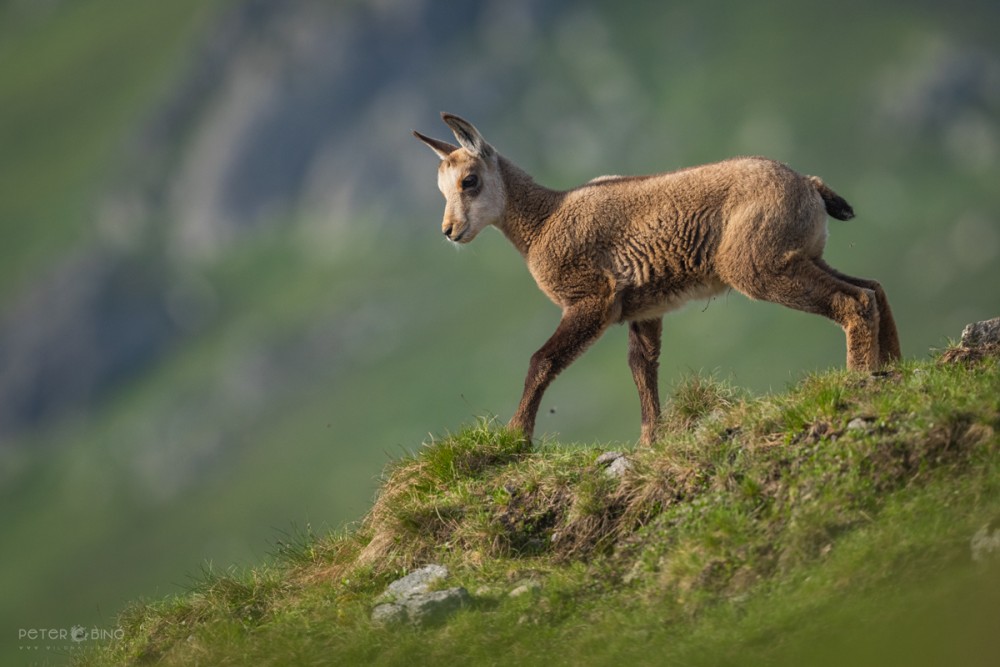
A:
x: 453, y: 235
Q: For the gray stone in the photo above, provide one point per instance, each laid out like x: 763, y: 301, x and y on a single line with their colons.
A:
x: 389, y: 614
x: 530, y: 586
x: 619, y: 467
x: 410, y: 600
x: 981, y: 333
x: 607, y: 458
x: 614, y: 463
x: 859, y: 424
x: 432, y: 608
x: 415, y: 583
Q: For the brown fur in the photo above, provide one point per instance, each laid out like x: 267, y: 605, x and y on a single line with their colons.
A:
x: 629, y: 249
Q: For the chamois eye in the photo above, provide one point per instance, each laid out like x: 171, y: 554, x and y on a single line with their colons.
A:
x: 470, y: 181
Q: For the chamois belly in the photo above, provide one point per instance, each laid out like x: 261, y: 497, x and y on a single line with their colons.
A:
x: 650, y: 302
x: 663, y: 269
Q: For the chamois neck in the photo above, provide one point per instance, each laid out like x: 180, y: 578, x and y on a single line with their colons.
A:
x: 529, y: 206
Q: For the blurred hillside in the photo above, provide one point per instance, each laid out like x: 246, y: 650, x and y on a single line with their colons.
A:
x: 224, y: 299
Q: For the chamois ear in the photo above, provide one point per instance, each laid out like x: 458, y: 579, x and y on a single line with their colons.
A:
x: 442, y: 148
x: 468, y: 135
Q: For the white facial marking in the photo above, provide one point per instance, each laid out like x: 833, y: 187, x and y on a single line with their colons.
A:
x: 469, y: 210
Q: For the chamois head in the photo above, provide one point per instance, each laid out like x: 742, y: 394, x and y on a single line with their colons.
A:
x: 469, y: 178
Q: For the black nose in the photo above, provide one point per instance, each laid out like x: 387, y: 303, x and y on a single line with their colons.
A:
x: 447, y: 231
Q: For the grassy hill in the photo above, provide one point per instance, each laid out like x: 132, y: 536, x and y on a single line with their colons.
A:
x: 827, y: 525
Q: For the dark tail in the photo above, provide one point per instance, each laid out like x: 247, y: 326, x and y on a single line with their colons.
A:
x: 836, y: 205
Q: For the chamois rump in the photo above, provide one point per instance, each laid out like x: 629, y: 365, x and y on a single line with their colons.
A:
x: 632, y: 248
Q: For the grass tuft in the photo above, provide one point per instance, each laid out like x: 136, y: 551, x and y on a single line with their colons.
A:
x: 471, y: 452
x: 696, y: 397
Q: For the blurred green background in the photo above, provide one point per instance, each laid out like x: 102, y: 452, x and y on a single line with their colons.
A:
x: 225, y: 302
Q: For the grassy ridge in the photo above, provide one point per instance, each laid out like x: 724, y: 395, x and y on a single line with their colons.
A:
x: 829, y: 523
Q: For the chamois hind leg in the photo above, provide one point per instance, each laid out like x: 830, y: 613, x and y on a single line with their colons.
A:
x: 802, y: 284
x: 581, y: 325
x: 888, y: 338
x: 643, y: 360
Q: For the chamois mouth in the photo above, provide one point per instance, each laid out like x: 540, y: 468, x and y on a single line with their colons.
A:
x: 461, y: 235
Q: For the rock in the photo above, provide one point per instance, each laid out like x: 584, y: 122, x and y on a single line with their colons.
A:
x: 429, y: 609
x: 614, y: 463
x: 981, y: 333
x: 619, y: 467
x: 530, y: 586
x: 607, y: 458
x: 979, y: 341
x: 860, y: 423
x: 410, y: 599
x: 389, y: 613
x: 422, y: 609
x: 985, y: 543
x: 415, y: 583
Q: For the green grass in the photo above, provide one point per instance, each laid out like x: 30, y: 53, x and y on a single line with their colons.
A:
x: 777, y: 530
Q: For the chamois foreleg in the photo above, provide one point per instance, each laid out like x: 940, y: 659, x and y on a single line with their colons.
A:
x: 644, y: 361
x: 581, y: 324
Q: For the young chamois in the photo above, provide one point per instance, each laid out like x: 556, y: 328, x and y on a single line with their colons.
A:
x: 631, y: 248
